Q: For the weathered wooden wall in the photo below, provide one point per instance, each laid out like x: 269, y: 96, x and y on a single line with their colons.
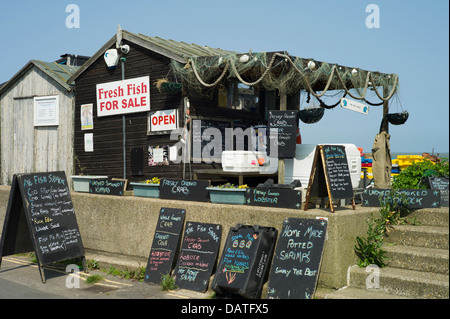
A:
x: 25, y: 148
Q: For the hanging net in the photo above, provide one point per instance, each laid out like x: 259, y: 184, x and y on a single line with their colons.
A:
x: 280, y: 71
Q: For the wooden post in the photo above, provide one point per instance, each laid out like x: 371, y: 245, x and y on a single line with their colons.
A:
x: 281, y: 163
x: 384, y: 122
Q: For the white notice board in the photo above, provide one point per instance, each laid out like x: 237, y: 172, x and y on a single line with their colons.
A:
x: 46, y: 110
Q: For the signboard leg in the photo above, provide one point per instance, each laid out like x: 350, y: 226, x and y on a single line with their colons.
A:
x: 85, y: 268
x: 41, y: 272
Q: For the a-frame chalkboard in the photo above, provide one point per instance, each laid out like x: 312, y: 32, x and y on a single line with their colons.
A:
x: 330, y: 175
x: 40, y: 217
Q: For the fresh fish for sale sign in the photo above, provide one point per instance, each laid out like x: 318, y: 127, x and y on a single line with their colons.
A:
x: 123, y: 97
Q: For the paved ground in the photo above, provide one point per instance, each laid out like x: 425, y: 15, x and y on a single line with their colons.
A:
x: 19, y: 278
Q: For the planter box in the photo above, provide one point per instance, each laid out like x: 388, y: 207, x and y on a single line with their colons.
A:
x: 227, y: 195
x: 145, y: 190
x: 81, y: 182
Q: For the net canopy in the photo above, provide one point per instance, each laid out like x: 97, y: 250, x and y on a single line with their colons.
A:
x: 283, y: 72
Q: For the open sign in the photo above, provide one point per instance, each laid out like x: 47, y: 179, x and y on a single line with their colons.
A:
x: 164, y: 121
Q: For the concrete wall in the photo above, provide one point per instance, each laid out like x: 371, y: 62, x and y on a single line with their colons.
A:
x: 125, y: 226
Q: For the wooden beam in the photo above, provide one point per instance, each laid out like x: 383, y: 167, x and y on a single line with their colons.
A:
x: 384, y: 122
x: 281, y: 163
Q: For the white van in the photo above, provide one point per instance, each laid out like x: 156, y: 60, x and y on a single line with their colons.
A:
x: 300, y: 166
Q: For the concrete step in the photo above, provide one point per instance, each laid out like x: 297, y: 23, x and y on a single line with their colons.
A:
x: 418, y: 258
x: 420, y: 236
x: 431, y: 216
x: 358, y: 293
x: 402, y: 282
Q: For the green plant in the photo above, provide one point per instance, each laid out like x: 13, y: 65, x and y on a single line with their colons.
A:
x: 94, y: 279
x: 370, y: 248
x: 137, y: 274
x: 93, y: 264
x: 168, y: 283
x: 410, y: 178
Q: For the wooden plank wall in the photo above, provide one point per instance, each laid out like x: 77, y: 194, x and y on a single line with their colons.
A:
x: 25, y: 148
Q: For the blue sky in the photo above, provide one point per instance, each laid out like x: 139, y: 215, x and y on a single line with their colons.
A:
x: 412, y: 41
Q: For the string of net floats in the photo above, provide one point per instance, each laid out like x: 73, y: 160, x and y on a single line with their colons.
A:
x: 283, y: 72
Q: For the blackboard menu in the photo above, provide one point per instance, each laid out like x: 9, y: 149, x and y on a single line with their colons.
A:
x: 190, y: 190
x: 245, y: 261
x: 106, y: 187
x: 165, y: 244
x: 414, y: 198
x: 285, y: 124
x: 339, y: 179
x: 274, y: 197
x: 204, y: 139
x: 297, y: 260
x: 441, y: 184
x: 42, y: 200
x: 198, y: 256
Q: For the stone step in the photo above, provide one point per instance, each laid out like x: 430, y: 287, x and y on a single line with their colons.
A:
x: 417, y: 258
x: 358, y: 293
x: 420, y: 236
x: 431, y: 216
x: 401, y: 282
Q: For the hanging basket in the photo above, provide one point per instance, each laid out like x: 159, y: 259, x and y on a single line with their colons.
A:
x: 171, y: 87
x: 311, y: 116
x: 398, y: 118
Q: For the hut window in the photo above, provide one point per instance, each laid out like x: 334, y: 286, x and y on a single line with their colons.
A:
x: 239, y: 97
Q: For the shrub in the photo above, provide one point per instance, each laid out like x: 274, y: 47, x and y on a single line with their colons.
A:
x: 411, y: 177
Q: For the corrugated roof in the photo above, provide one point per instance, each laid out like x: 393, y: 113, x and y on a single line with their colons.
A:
x: 60, y: 73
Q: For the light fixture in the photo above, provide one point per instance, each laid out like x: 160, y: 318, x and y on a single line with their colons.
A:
x: 111, y: 58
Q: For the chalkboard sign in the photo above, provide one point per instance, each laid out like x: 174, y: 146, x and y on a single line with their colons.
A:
x: 165, y: 244
x: 414, y: 198
x: 285, y: 124
x: 330, y: 175
x: 107, y: 187
x: 441, y: 184
x: 274, y: 197
x: 40, y: 217
x: 198, y: 256
x: 203, y: 141
x: 190, y: 190
x: 245, y: 261
x: 297, y: 260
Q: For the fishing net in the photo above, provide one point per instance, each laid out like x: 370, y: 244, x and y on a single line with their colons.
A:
x: 283, y: 72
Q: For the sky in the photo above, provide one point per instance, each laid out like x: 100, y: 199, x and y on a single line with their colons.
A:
x: 411, y: 40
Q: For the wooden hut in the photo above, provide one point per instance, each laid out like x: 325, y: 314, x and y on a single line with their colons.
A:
x: 37, y: 118
x: 171, y: 85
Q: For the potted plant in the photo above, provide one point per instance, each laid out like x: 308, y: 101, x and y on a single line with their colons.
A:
x: 81, y: 182
x: 227, y: 194
x: 147, y: 188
